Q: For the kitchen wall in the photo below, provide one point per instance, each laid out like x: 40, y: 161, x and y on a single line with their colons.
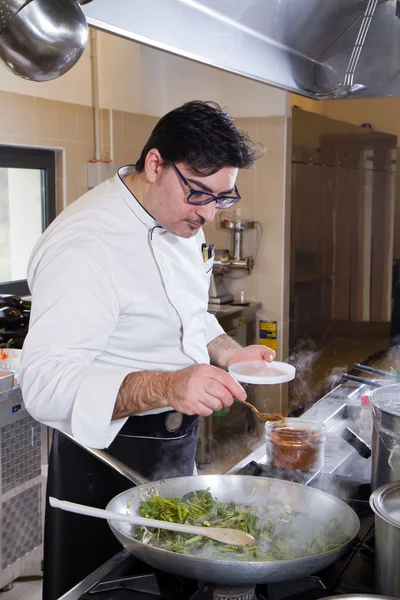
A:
x: 382, y: 113
x: 68, y: 128
x: 137, y: 85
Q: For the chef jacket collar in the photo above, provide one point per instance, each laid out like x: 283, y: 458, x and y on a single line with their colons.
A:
x: 145, y: 217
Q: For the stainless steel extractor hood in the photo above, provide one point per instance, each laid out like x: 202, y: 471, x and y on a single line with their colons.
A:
x: 318, y: 48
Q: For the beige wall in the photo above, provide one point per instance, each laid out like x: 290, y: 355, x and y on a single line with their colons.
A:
x: 382, y: 113
x: 68, y: 128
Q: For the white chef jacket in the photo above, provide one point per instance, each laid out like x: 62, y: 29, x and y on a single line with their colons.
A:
x: 112, y: 293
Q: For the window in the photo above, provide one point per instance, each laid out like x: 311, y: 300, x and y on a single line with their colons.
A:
x: 27, y: 207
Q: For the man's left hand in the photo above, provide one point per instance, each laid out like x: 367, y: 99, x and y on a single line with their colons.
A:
x: 253, y: 352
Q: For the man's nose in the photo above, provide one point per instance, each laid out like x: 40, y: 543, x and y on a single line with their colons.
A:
x: 207, y: 212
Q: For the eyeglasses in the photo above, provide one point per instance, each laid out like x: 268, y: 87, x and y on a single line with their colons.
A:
x: 200, y: 198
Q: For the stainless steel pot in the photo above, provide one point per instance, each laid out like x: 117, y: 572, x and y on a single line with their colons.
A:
x: 41, y: 39
x: 240, y: 489
x: 386, y: 435
x: 385, y: 502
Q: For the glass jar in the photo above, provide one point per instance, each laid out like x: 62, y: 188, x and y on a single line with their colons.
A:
x: 295, y: 444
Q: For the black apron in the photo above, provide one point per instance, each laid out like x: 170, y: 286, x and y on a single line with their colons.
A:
x: 157, y: 446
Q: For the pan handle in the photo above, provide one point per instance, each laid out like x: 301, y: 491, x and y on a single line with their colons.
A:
x: 363, y: 380
x: 368, y: 369
x: 113, y: 463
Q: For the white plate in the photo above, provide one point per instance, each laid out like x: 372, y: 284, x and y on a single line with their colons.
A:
x: 262, y: 372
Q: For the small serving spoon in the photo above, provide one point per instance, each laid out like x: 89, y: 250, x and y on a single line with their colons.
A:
x: 234, y: 537
x: 263, y: 416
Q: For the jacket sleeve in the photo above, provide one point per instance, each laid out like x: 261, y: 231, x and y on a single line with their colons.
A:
x: 75, y: 309
x: 213, y: 328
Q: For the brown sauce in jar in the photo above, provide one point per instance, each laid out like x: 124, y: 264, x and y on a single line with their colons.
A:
x: 292, y: 448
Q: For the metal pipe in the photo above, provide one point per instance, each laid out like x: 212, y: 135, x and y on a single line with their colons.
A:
x: 111, y: 135
x: 95, y: 92
x: 237, y: 244
x: 231, y: 263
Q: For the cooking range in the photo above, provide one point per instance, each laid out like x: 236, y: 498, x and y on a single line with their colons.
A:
x: 345, y: 474
x: 127, y: 578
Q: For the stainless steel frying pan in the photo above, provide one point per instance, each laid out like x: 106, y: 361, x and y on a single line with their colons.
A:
x: 239, y: 489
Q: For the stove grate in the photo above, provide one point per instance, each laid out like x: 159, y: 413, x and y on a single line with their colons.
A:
x: 234, y: 592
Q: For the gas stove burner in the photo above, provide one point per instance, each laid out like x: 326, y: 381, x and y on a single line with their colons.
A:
x: 234, y: 592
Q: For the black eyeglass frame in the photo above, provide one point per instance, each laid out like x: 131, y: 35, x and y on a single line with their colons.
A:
x: 229, y: 200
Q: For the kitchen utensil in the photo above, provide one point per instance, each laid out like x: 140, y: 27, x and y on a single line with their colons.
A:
x: 226, y: 536
x: 6, y: 380
x: 385, y: 502
x: 360, y: 445
x: 366, y: 381
x: 261, y: 372
x: 295, y: 444
x: 386, y: 435
x: 239, y: 489
x: 42, y: 39
x: 262, y: 416
x: 11, y: 361
x: 367, y: 369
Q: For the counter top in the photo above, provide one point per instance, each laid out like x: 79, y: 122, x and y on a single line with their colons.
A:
x: 234, y: 309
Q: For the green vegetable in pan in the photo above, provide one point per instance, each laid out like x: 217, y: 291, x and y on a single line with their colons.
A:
x: 281, y: 533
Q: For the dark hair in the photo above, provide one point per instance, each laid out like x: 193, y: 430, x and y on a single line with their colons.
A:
x: 203, y: 136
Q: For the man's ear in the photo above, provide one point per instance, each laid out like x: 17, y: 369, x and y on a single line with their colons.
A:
x: 153, y: 165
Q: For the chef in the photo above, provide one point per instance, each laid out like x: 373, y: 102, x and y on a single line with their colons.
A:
x: 121, y: 352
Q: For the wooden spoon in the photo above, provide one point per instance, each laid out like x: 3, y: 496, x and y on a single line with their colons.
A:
x: 263, y: 416
x: 234, y: 537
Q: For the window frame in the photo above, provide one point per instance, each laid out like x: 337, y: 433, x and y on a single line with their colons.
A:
x: 16, y: 157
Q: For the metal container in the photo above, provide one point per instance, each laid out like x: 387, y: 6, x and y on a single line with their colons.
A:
x: 6, y: 380
x: 41, y: 40
x: 385, y: 502
x: 386, y: 435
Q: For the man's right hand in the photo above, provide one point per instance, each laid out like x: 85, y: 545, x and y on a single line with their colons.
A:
x: 202, y: 390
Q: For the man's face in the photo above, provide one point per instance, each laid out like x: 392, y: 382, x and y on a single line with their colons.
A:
x: 167, y: 200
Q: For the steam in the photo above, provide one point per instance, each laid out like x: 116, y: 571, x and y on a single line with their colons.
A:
x: 284, y: 531
x: 302, y: 388
x: 231, y: 444
x: 306, y: 388
x: 386, y: 401
x: 169, y: 467
x: 391, y: 441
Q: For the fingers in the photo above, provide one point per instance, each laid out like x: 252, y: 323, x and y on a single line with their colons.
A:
x: 204, y: 389
x: 267, y: 353
x: 221, y: 394
x: 229, y: 383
